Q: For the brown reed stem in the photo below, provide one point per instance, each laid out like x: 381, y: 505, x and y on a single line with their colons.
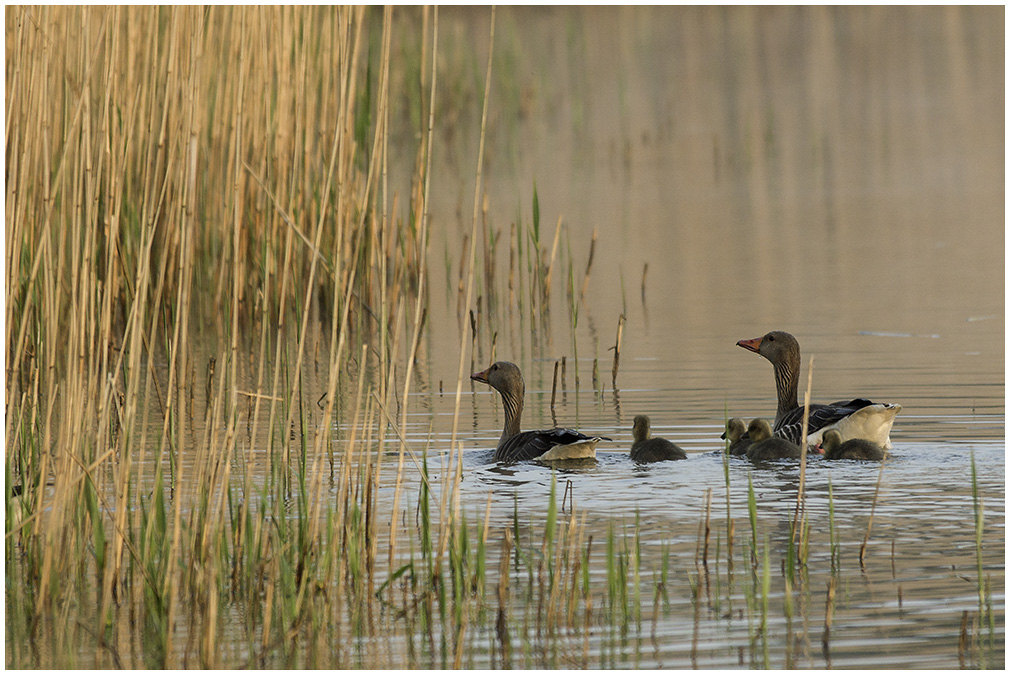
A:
x: 554, y: 386
x: 589, y: 266
x: 708, y: 528
x: 617, y: 351
x: 645, y: 270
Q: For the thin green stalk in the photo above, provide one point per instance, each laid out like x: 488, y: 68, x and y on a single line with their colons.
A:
x: 985, y: 614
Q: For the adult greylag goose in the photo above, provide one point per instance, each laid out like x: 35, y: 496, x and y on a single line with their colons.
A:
x: 854, y: 448
x: 516, y: 445
x: 764, y: 446
x: 735, y: 432
x: 858, y: 418
x: 649, y: 449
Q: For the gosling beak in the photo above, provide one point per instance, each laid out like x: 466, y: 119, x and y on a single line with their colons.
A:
x: 750, y: 345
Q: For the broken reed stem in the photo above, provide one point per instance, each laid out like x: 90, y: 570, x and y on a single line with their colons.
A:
x: 569, y: 489
x: 554, y: 386
x: 589, y: 266
x: 617, y: 351
x: 645, y: 270
x: 708, y: 527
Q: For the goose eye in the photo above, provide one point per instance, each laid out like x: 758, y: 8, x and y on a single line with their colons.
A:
x: 494, y: 367
x: 771, y: 338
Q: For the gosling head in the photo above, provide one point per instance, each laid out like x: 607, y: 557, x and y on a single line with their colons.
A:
x: 735, y: 428
x: 640, y: 431
x: 830, y: 440
x: 759, y: 430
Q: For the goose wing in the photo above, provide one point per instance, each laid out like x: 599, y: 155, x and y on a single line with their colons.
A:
x: 868, y: 419
x: 532, y: 444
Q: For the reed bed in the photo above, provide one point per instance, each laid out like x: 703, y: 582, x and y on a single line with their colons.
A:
x: 199, y: 215
x: 183, y: 172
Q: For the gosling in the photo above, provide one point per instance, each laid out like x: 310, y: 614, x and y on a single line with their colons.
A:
x: 646, y: 449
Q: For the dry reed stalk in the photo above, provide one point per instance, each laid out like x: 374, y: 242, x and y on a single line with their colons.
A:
x: 380, y: 134
x: 829, y: 610
x: 173, y: 578
x: 388, y: 391
x: 423, y: 267
x: 454, y: 446
x: 550, y: 265
x: 963, y: 641
x: 339, y: 320
x: 557, y: 582
x: 799, y: 517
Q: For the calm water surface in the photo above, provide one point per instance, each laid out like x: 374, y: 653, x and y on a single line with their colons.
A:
x: 830, y: 172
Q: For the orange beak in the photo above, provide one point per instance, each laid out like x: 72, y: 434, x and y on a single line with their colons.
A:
x: 481, y: 376
x: 750, y: 345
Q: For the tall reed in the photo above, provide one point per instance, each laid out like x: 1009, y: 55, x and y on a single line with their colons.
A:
x: 150, y: 197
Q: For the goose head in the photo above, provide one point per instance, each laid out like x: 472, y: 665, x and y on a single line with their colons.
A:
x: 503, y: 376
x: 776, y: 346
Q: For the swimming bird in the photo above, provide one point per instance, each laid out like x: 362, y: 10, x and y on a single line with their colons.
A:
x: 646, y: 449
x: 764, y: 446
x: 735, y: 432
x: 858, y: 418
x: 516, y: 445
x: 854, y: 448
